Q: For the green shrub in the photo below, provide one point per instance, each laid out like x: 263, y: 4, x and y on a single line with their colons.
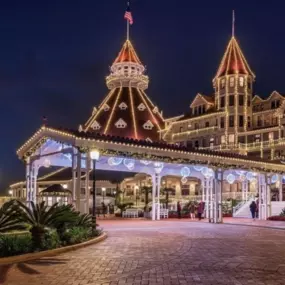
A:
x: 51, y: 239
x: 76, y: 235
x: 15, y: 245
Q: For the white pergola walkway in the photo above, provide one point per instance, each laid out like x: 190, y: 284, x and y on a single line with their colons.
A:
x: 67, y: 148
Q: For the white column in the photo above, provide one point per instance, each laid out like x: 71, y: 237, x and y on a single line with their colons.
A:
x: 216, y: 197
x: 74, y: 162
x: 158, y: 181
x: 87, y: 188
x: 211, y: 202
x: 28, y: 182
x: 78, y: 181
x: 207, y: 186
x: 243, y: 187
x: 204, y: 187
x: 153, y: 210
x: 268, y: 197
x: 34, y: 177
x: 221, y: 179
x: 280, y: 188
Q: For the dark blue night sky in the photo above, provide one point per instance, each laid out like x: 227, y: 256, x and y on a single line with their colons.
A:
x: 55, y: 55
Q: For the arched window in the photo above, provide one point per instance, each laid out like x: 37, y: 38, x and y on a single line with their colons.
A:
x: 241, y: 81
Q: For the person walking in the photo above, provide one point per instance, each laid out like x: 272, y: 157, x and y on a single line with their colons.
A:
x: 257, y: 208
x: 179, y: 210
x: 200, y: 210
x: 192, y: 211
x: 253, y: 208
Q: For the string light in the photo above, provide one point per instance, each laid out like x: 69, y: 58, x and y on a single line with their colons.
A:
x: 133, y: 112
x: 111, y: 116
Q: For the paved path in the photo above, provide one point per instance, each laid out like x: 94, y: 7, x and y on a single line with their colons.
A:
x: 165, y: 252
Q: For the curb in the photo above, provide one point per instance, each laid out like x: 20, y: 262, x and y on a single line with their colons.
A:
x: 52, y: 252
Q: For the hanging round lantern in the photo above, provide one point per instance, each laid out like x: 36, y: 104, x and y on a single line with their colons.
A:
x: 250, y: 176
x: 46, y: 163
x: 207, y: 172
x: 274, y: 178
x: 231, y: 178
x: 114, y: 161
x: 145, y: 162
x: 240, y: 172
x: 129, y: 163
x: 184, y: 180
x: 185, y: 171
x: 198, y: 168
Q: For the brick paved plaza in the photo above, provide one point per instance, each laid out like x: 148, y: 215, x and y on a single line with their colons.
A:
x: 164, y: 252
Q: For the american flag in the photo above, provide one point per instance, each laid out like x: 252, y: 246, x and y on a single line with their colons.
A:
x: 128, y: 15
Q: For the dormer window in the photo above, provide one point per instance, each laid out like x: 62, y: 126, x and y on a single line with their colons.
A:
x: 106, y: 107
x: 121, y: 124
x: 141, y: 107
x: 223, y: 83
x: 232, y: 81
x: 148, y: 125
x: 123, y: 106
x: 95, y: 126
x: 241, y: 81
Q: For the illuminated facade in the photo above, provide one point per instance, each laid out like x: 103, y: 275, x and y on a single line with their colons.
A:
x: 181, y: 153
x: 233, y: 119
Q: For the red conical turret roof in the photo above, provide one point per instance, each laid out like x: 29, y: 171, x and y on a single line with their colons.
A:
x: 127, y: 111
x: 233, y: 61
x: 127, y: 54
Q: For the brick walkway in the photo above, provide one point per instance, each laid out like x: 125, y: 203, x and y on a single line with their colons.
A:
x: 165, y: 252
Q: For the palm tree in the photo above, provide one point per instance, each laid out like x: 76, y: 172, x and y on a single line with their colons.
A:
x: 146, y: 190
x: 40, y: 217
x: 8, y: 220
x: 166, y: 191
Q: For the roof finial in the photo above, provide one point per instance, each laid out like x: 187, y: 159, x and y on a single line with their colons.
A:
x: 128, y: 16
x: 233, y: 24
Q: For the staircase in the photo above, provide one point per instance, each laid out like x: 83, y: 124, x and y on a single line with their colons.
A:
x: 242, y: 209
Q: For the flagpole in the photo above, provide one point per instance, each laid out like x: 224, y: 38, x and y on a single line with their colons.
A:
x: 128, y: 29
x: 233, y: 24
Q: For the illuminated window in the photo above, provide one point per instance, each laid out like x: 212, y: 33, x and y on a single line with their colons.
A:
x: 257, y: 138
x: 241, y: 81
x: 223, y: 83
x: 232, y: 138
x: 271, y: 136
x: 223, y: 139
x: 232, y: 81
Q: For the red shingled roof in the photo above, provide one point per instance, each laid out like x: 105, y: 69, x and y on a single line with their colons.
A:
x: 233, y: 61
x: 127, y: 54
x: 131, y: 107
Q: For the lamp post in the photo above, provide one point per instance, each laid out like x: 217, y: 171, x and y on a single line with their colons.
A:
x: 10, y: 193
x: 94, y: 155
x: 136, y: 193
x: 103, y: 192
